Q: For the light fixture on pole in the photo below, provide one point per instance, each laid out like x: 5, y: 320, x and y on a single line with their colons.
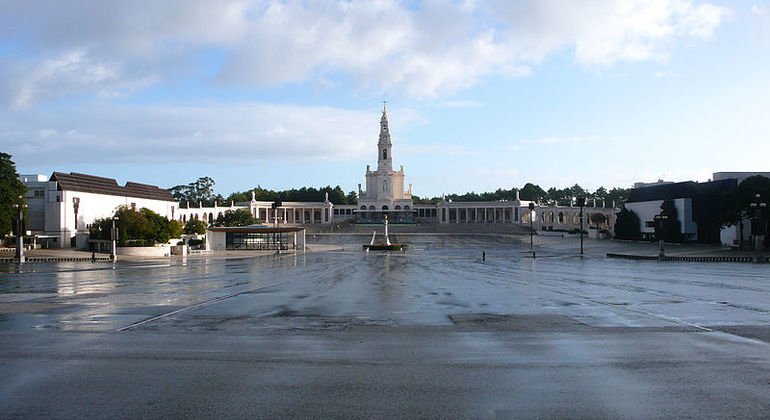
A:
x: 114, y: 237
x: 758, y: 227
x: 581, y: 202
x: 660, y: 219
x: 19, y: 231
x: 531, y: 230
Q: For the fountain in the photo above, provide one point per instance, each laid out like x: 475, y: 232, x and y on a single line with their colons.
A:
x: 387, y: 246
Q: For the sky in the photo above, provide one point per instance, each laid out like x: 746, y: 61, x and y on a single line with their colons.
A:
x: 481, y: 95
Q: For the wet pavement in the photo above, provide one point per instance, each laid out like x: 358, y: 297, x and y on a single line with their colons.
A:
x: 432, y: 332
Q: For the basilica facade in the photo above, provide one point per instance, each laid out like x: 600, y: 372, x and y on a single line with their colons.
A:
x: 384, y: 192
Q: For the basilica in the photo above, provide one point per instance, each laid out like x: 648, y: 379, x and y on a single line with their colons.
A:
x: 384, y: 192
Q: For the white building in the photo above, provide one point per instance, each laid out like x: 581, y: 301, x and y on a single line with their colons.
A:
x: 65, y: 205
x: 290, y: 212
x: 385, y: 187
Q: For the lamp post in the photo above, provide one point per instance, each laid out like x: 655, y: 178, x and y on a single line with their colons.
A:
x: 758, y: 227
x: 19, y: 258
x: 531, y: 230
x: 581, y: 202
x: 659, y: 220
x: 114, y: 237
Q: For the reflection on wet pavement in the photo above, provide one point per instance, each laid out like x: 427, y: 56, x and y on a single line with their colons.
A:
x: 440, y: 280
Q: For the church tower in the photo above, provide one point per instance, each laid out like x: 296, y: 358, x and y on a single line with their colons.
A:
x: 384, y: 145
x: 385, y: 187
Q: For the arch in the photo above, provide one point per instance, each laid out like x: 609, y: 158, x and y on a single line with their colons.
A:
x: 385, y: 185
x: 550, y: 216
x: 196, y: 217
x: 397, y: 208
x: 307, y: 216
x: 184, y: 218
x: 561, y: 217
x: 406, y: 207
x: 385, y: 208
x: 219, y: 215
x: 317, y: 215
x: 363, y: 207
x: 211, y: 218
x: 384, y: 153
x: 371, y: 207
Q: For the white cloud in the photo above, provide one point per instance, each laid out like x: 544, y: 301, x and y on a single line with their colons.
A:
x: 430, y: 48
x: 760, y: 10
x: 436, y: 149
x: 554, y: 140
x: 662, y: 74
x: 214, y: 134
x: 459, y: 104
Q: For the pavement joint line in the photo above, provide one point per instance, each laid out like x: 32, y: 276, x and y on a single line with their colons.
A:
x: 612, y: 305
x: 197, y: 305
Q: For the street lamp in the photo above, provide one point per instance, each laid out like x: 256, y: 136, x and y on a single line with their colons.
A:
x: 659, y: 220
x: 114, y: 237
x: 20, y: 228
x: 531, y: 230
x: 581, y: 202
x: 757, y: 226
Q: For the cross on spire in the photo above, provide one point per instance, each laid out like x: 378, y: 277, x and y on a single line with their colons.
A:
x: 383, y: 105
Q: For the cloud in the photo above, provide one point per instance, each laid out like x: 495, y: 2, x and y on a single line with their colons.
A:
x: 554, y: 140
x: 663, y: 74
x: 760, y: 10
x: 437, y: 149
x: 459, y: 104
x: 210, y: 134
x: 426, y: 49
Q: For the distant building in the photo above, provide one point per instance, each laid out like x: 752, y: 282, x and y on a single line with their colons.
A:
x: 695, y: 204
x: 63, y: 207
x: 385, y: 187
x: 651, y: 184
x: 738, y: 176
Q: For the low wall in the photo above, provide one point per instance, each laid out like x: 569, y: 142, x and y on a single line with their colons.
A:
x: 145, y: 251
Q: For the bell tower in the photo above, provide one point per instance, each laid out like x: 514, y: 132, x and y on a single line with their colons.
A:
x: 384, y: 145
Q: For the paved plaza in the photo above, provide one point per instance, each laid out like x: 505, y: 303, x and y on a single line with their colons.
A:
x: 432, y: 332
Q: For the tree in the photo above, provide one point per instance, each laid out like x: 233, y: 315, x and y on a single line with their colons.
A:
x: 195, y: 227
x: 627, y: 225
x: 735, y: 205
x: 143, y: 227
x: 200, y: 190
x: 175, y: 229
x: 532, y: 192
x: 352, y: 197
x: 10, y: 190
x: 239, y: 217
x: 671, y: 227
x: 618, y: 195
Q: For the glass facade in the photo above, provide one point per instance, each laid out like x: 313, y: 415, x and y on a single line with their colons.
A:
x: 257, y: 240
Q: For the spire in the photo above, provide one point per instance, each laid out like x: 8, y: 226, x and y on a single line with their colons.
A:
x: 384, y: 145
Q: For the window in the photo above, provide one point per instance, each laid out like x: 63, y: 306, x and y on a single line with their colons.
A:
x: 384, y: 185
x: 384, y: 153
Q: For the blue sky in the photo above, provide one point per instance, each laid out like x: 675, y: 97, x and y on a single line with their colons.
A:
x: 481, y: 94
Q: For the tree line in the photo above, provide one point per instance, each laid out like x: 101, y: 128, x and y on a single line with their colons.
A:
x: 201, y: 191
